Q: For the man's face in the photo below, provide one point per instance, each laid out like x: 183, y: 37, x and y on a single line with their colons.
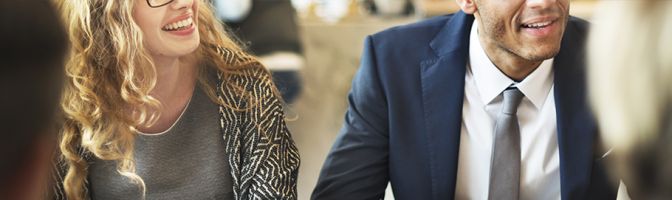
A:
x: 529, y: 29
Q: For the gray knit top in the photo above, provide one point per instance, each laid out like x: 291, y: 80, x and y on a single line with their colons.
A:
x: 188, y: 161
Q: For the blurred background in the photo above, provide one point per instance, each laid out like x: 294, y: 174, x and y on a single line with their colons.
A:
x: 331, y: 35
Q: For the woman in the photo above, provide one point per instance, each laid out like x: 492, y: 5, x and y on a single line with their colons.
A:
x: 630, y: 77
x: 161, y: 104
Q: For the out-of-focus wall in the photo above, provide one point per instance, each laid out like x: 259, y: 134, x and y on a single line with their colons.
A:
x: 579, y: 8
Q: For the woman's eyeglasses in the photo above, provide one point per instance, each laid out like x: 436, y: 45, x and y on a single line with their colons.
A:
x: 158, y: 3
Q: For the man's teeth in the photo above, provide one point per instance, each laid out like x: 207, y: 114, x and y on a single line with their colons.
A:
x: 179, y: 24
x: 537, y: 25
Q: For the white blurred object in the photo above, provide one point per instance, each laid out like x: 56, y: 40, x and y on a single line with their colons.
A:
x: 622, y: 192
x: 282, y: 61
x: 232, y: 10
x: 331, y: 10
x: 301, y: 6
x: 389, y: 195
x: 390, y: 7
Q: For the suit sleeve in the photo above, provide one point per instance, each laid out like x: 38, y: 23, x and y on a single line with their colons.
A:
x: 356, y: 167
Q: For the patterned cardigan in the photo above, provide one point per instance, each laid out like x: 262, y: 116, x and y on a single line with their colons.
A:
x: 263, y: 158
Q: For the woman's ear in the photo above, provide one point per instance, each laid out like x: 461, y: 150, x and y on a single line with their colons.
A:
x: 467, y: 6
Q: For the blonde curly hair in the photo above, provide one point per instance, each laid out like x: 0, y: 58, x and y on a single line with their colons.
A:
x: 108, y: 69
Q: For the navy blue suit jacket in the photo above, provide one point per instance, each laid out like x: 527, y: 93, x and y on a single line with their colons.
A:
x: 405, y: 113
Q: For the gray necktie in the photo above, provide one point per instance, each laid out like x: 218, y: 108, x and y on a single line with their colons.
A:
x: 505, y: 166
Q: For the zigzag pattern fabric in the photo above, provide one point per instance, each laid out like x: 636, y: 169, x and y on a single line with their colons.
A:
x: 263, y: 157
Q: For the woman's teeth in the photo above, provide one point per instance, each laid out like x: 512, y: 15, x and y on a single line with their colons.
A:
x: 179, y: 25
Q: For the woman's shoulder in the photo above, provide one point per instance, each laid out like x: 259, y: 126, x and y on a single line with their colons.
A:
x: 240, y: 64
x: 245, y: 76
x: 251, y: 76
x: 249, y: 90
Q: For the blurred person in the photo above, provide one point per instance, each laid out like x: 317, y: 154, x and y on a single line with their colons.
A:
x: 630, y: 77
x: 31, y: 73
x: 161, y: 103
x: 486, y: 103
x: 270, y: 31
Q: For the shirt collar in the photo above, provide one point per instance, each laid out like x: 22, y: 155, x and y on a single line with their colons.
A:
x: 490, y: 81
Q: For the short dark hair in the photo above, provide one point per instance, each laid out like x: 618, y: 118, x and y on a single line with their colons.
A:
x: 33, y: 43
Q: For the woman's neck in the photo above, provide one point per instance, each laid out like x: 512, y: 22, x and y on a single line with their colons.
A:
x: 175, y: 83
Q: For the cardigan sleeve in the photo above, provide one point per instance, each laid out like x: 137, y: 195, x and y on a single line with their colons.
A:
x: 276, y: 177
x: 265, y: 159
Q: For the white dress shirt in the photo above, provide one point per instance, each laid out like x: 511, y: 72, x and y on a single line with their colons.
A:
x: 540, y: 163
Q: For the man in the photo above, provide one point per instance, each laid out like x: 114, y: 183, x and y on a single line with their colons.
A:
x: 34, y: 44
x: 486, y: 103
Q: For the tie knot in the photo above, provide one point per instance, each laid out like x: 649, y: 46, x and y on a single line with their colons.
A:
x: 512, y: 98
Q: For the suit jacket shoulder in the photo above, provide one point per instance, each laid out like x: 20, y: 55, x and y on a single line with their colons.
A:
x: 424, y: 30
x: 409, y: 42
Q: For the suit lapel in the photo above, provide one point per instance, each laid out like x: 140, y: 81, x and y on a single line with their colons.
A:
x: 576, y: 125
x: 442, y: 95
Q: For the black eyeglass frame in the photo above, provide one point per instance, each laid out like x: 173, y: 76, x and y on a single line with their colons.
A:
x: 154, y: 6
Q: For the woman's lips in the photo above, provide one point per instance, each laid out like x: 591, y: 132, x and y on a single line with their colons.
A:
x: 182, y: 27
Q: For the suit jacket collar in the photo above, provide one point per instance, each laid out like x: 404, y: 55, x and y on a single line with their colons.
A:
x: 576, y: 125
x: 454, y: 36
x: 442, y: 94
x: 442, y: 78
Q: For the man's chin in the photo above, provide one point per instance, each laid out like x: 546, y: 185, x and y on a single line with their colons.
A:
x: 541, y: 56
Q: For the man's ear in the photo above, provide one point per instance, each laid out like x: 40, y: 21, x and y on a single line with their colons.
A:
x: 467, y: 6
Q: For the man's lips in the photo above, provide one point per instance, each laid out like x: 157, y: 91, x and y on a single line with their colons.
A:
x: 540, y: 29
x: 539, y: 22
